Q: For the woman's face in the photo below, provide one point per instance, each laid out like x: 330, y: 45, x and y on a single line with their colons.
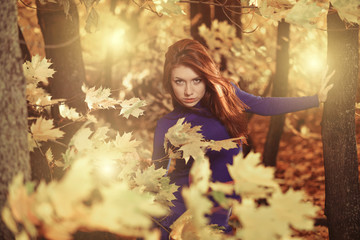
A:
x: 188, y: 86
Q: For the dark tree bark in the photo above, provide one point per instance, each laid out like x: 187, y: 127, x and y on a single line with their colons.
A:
x: 14, y: 154
x: 63, y: 48
x: 109, y: 56
x: 280, y: 86
x: 199, y: 14
x: 39, y: 166
x: 25, y: 53
x: 232, y: 15
x: 338, y: 131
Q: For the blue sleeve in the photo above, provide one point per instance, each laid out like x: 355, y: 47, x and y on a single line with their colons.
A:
x: 268, y: 106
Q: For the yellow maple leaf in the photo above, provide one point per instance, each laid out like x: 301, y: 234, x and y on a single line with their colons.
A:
x: 182, y: 133
x: 81, y: 139
x: 224, y: 144
x: 198, y: 204
x: 285, y: 211
x: 291, y: 208
x: 43, y: 130
x: 254, y: 179
x: 132, y: 107
x: 99, y: 98
x: 37, y: 70
x: 200, y: 173
x: 125, y: 144
x: 251, y: 217
x: 69, y: 113
x: 192, y: 149
x: 183, y: 223
x: 38, y: 96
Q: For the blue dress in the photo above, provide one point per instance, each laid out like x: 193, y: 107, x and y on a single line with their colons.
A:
x: 213, y: 129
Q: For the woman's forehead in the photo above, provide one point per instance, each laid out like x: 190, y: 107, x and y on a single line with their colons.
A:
x: 182, y: 71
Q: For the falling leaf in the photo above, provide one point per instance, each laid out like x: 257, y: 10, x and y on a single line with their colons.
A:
x: 43, y: 130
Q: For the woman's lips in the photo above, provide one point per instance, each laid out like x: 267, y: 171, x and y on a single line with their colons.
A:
x: 189, y: 100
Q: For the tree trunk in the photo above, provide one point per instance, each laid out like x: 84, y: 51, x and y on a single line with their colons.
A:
x: 199, y: 14
x: 62, y: 47
x: 232, y: 16
x: 338, y: 131
x: 14, y: 154
x: 109, y: 56
x: 280, y: 86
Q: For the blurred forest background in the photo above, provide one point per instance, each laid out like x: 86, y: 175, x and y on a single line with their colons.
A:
x: 125, y: 50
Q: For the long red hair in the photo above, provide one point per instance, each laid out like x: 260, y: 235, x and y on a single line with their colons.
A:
x: 220, y: 97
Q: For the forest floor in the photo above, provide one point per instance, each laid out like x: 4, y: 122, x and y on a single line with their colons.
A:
x: 300, y: 162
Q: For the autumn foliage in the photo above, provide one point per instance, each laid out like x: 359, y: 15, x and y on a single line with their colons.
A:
x: 110, y: 184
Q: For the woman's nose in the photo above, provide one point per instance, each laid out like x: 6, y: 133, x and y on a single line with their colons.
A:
x: 188, y: 90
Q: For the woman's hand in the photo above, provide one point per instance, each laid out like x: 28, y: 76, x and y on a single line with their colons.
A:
x: 325, y: 88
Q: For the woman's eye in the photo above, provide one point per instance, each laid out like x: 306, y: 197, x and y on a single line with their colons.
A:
x: 179, y: 81
x: 198, y: 80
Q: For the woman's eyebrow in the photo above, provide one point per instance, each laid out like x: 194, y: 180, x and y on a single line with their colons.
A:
x: 179, y: 78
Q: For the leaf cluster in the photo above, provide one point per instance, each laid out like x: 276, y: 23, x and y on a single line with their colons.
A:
x: 252, y: 181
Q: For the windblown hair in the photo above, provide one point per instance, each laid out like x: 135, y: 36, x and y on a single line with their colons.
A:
x: 219, y: 96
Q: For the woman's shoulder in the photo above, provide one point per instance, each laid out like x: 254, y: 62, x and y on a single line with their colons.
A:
x: 168, y: 119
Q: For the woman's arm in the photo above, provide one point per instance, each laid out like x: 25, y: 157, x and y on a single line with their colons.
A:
x: 268, y: 106
x: 279, y: 105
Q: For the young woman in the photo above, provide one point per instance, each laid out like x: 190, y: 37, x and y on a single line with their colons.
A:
x: 203, y: 97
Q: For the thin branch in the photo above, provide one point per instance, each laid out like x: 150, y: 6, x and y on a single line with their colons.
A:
x: 60, y: 143
x: 235, y: 23
x: 158, y: 223
x: 37, y: 145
